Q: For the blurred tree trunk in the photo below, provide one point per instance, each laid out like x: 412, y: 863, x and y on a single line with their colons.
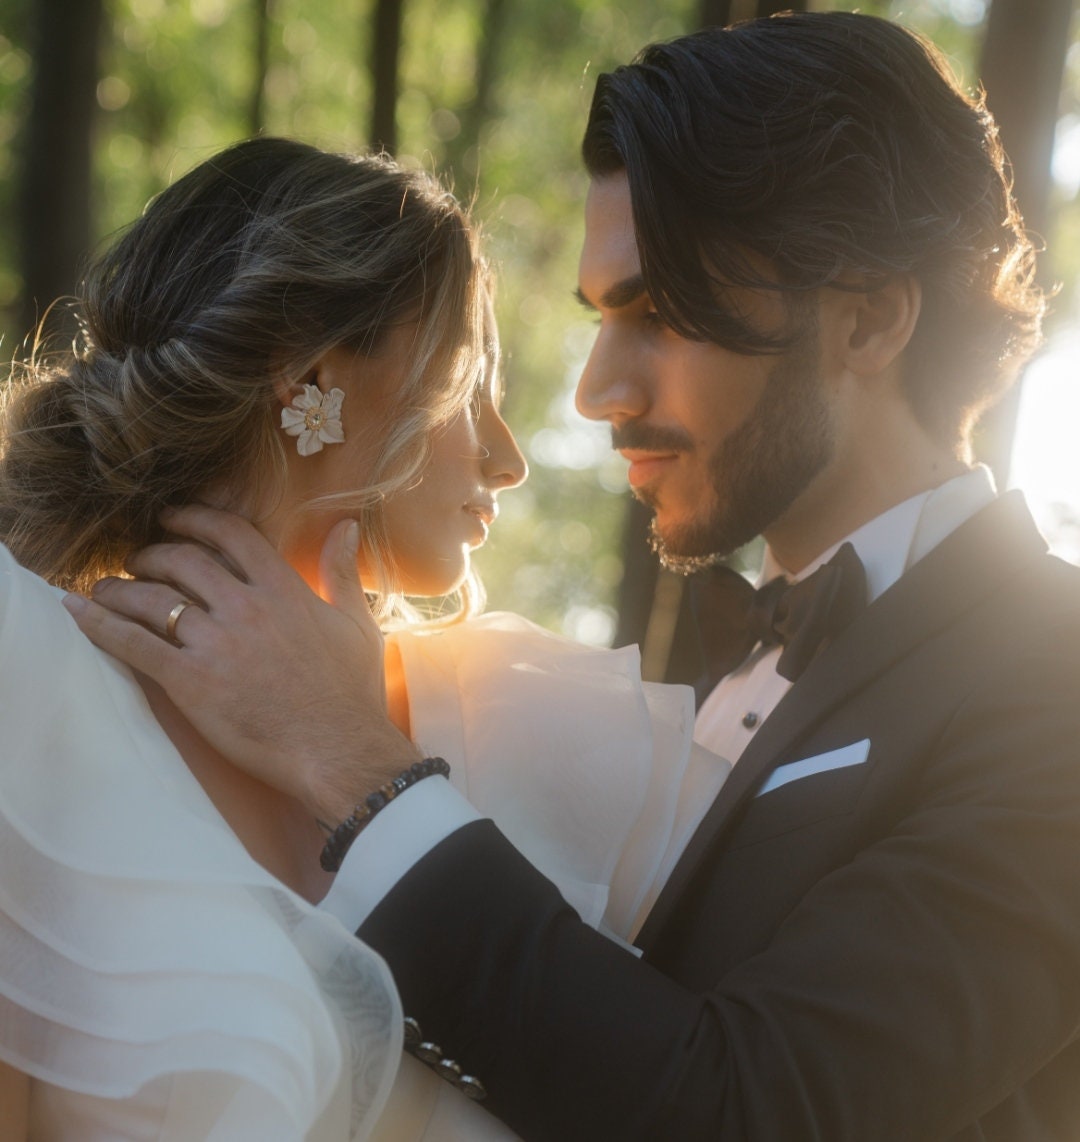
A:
x: 481, y: 107
x: 638, y: 584
x: 654, y: 607
x: 385, y: 60
x: 257, y: 106
x: 1022, y: 67
x: 54, y: 199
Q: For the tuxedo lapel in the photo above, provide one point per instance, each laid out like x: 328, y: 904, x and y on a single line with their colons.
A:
x: 994, y: 545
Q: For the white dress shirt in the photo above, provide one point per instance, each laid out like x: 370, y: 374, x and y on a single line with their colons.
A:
x: 414, y: 823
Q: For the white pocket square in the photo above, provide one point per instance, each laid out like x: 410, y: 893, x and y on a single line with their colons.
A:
x: 854, y: 754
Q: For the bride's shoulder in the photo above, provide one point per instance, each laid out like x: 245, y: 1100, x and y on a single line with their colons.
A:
x: 38, y: 635
x: 29, y: 606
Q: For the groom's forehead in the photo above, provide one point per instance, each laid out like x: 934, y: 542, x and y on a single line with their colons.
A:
x: 610, y: 260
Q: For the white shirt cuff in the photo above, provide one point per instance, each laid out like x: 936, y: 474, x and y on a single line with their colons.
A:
x: 398, y: 837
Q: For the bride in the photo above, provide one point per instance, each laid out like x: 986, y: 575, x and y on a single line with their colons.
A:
x: 307, y: 339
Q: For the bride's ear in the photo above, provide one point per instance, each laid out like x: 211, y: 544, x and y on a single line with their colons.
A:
x: 877, y: 324
x: 286, y: 392
x: 327, y: 373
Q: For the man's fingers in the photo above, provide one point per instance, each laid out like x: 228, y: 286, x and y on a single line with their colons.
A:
x: 149, y: 603
x: 124, y: 639
x: 192, y: 568
x: 243, y: 546
x: 339, y: 575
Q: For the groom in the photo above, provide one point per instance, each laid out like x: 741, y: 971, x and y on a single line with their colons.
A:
x: 810, y: 279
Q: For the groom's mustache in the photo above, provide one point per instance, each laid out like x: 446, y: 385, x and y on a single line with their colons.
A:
x: 649, y: 438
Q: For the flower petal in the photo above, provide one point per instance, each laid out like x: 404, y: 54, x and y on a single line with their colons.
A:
x: 308, y: 443
x: 292, y: 421
x: 311, y: 397
x: 332, y: 432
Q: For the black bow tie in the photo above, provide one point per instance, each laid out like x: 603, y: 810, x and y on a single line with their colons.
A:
x: 802, y: 617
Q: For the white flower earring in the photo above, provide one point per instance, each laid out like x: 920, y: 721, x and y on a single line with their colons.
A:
x: 315, y: 418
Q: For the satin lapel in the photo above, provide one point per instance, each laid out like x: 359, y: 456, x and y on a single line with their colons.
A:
x: 973, y: 562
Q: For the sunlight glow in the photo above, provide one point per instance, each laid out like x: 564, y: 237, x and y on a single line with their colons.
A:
x: 1066, y: 163
x: 1046, y: 451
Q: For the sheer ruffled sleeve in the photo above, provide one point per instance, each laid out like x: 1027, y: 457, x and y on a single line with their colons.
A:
x: 138, y: 940
x: 577, y: 761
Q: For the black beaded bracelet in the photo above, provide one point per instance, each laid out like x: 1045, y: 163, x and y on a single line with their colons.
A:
x: 337, y: 844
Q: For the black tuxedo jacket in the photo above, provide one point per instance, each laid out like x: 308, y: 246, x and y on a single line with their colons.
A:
x: 885, y: 951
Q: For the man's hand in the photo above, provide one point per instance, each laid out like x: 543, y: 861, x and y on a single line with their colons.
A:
x: 285, y: 685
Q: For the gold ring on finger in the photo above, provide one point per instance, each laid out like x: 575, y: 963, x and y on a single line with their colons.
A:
x: 174, y: 617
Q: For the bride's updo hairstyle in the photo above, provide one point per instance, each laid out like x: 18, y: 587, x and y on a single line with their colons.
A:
x: 242, y: 274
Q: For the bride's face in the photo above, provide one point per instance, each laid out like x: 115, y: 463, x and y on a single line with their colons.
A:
x: 434, y: 524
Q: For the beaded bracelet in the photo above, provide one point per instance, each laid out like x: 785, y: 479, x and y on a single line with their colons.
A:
x: 337, y: 844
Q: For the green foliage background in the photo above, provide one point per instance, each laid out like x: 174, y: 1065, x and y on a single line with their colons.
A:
x: 176, y: 81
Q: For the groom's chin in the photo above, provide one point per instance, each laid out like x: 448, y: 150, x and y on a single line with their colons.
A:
x: 686, y: 550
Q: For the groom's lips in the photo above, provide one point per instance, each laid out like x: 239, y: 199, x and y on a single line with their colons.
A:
x: 646, y: 466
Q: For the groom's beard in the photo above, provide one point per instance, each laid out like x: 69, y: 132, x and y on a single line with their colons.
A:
x: 761, y: 468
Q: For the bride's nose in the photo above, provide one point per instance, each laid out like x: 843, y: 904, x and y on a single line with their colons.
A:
x: 502, y: 463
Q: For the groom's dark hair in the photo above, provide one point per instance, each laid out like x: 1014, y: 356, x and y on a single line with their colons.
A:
x: 785, y: 152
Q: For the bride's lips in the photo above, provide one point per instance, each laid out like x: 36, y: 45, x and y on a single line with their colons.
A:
x: 485, y: 514
x: 646, y: 466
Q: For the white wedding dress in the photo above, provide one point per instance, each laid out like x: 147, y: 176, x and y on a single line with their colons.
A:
x: 157, y: 983
x: 154, y: 980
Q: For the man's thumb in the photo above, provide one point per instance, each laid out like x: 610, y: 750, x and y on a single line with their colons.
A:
x: 338, y: 571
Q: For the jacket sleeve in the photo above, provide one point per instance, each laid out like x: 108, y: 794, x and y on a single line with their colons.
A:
x: 931, y: 981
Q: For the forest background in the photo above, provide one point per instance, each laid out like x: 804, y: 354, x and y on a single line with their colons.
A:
x: 104, y: 102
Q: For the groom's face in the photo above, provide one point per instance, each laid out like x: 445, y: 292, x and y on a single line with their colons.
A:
x: 720, y: 444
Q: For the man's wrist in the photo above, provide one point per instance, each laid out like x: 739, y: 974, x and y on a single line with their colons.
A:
x: 336, y: 786
x: 337, y: 844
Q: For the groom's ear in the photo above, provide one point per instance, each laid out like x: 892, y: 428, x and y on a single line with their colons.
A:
x: 876, y: 323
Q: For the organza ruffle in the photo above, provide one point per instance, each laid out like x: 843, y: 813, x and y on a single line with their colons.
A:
x: 152, y: 976
x: 575, y: 758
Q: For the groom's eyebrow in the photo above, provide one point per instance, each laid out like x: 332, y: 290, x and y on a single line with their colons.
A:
x: 616, y: 296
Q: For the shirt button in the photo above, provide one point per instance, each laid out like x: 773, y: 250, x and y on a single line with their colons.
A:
x: 750, y: 719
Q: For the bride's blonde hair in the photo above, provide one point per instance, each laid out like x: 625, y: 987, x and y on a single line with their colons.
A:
x: 239, y: 276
